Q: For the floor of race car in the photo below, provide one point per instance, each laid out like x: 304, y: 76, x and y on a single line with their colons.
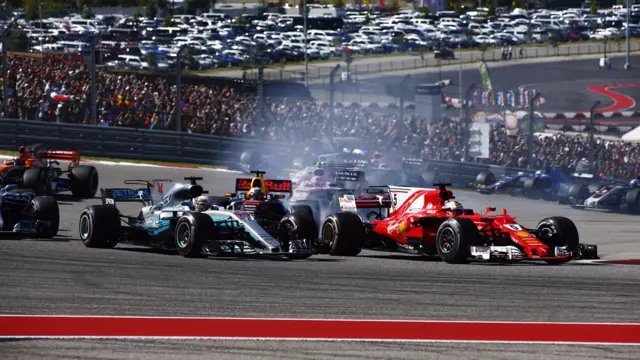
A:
x: 63, y: 277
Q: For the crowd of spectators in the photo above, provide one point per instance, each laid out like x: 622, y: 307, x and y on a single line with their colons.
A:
x: 128, y: 100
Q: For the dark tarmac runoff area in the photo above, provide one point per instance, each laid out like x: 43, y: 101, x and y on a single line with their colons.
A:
x: 563, y: 85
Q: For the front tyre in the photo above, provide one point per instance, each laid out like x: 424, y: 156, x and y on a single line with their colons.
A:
x: 36, y: 180
x: 84, y: 181
x: 99, y: 226
x: 191, y: 234
x: 344, y: 234
x: 454, y: 238
x: 559, y: 231
x: 298, y: 232
x: 46, y: 215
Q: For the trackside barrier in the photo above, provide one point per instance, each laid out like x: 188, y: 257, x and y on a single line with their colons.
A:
x: 128, y: 143
x: 170, y: 146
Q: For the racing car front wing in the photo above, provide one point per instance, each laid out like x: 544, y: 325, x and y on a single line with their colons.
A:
x: 496, y: 253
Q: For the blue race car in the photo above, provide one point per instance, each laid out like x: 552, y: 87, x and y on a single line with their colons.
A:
x: 551, y: 184
x: 23, y: 214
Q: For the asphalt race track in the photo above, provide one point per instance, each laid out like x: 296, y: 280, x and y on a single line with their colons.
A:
x: 562, y: 84
x: 62, y: 277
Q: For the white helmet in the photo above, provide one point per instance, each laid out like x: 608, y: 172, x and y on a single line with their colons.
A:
x: 202, y: 203
x: 453, y: 205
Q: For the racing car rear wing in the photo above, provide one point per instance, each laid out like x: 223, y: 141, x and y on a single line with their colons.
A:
x: 365, y: 201
x: 111, y: 196
x: 153, y: 191
x: 349, y: 175
x: 67, y: 155
x: 411, y: 162
x: 583, y: 175
x: 282, y: 186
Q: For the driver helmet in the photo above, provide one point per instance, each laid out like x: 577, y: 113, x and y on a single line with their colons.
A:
x: 202, y: 203
x: 18, y: 160
x: 256, y: 194
x: 634, y: 183
x: 538, y: 173
x: 317, y: 181
x: 453, y: 205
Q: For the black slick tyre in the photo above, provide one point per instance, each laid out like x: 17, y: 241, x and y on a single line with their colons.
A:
x: 558, y: 231
x: 632, y: 198
x: 485, y: 178
x: 577, y: 194
x: 299, y: 225
x: 535, y: 187
x: 430, y: 178
x: 99, y: 226
x: 36, y: 180
x: 84, y: 181
x: 454, y: 238
x: 344, y: 234
x: 46, y: 211
x: 192, y: 232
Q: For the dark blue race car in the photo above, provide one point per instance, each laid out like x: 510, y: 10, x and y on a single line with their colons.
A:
x: 553, y: 183
x: 24, y: 215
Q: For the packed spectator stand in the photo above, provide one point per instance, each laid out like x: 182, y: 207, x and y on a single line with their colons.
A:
x: 56, y: 91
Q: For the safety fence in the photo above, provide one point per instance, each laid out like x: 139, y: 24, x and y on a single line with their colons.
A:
x: 170, y: 146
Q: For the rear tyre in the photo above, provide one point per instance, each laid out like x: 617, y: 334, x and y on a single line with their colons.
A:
x: 559, y: 231
x: 47, y: 216
x: 191, y: 234
x: 84, y: 181
x: 577, y: 194
x: 430, y: 178
x: 299, y: 230
x: 633, y: 201
x: 535, y: 187
x: 36, y: 180
x: 485, y: 178
x: 99, y: 226
x: 454, y: 238
x: 344, y: 234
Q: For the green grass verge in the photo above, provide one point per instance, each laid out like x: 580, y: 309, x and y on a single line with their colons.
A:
x: 151, y: 162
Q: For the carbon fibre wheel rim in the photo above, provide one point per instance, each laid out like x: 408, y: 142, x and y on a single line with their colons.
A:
x: 448, y: 240
x: 183, y: 235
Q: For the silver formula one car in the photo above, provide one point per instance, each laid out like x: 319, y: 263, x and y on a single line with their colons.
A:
x: 178, y: 221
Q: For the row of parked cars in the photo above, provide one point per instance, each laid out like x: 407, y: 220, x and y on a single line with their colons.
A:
x: 218, y: 40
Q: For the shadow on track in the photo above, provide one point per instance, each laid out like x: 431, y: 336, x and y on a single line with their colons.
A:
x: 246, y: 257
x: 403, y: 257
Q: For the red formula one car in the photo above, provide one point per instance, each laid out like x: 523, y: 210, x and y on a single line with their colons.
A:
x: 431, y: 222
x: 36, y: 167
